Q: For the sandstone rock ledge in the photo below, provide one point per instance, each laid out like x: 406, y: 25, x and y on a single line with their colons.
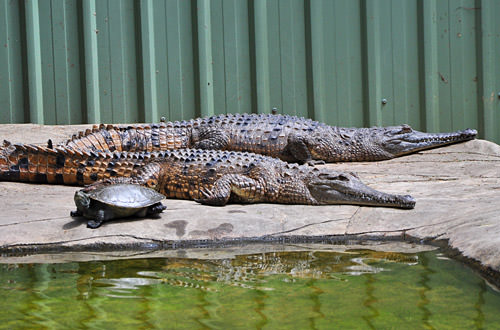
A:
x: 457, y: 190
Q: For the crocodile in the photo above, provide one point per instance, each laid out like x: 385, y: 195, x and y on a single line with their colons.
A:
x: 211, y: 177
x: 288, y: 138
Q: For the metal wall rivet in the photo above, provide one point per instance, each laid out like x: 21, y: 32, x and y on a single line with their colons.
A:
x: 384, y: 101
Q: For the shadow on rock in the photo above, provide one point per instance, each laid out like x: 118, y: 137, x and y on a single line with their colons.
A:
x: 214, y: 233
x: 74, y: 223
x: 179, y: 226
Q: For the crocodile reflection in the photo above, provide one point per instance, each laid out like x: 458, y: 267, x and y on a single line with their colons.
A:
x: 247, y: 271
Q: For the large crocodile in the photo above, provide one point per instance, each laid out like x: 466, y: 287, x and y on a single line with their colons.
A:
x: 286, y: 137
x: 208, y: 176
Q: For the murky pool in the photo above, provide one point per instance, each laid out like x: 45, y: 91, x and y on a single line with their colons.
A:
x: 314, y: 289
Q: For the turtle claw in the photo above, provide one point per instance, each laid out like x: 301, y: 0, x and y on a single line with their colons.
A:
x: 157, y: 208
x: 93, y: 224
x: 75, y: 214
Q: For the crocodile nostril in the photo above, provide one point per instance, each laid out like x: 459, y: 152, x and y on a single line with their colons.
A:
x: 342, y: 177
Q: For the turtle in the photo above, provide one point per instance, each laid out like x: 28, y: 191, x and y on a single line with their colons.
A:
x: 116, y: 201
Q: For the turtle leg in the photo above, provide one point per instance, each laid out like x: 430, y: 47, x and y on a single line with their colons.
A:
x: 100, y: 217
x: 75, y: 213
x: 142, y: 213
x: 156, y: 208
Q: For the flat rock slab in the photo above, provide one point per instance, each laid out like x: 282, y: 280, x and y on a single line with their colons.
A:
x: 457, y: 189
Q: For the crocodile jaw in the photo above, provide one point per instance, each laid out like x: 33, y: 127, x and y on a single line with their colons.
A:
x: 402, y: 140
x: 342, y: 188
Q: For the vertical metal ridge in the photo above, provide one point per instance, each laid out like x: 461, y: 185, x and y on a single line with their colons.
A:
x: 177, y: 60
x: 178, y: 69
x: 66, y: 102
x: 205, y: 58
x: 219, y: 53
x: 310, y: 56
x: 236, y: 57
x: 372, y: 63
x: 6, y: 94
x: 64, y: 56
x: 462, y: 57
x: 149, y: 61
x: 399, y: 62
x: 11, y: 72
x: 91, y: 61
x: 252, y: 55
x: 52, y: 105
x: 117, y: 53
x: 318, y: 97
x: 261, y: 57
x: 34, y: 62
x: 429, y: 66
x: 488, y: 99
x: 185, y: 72
x: 293, y: 57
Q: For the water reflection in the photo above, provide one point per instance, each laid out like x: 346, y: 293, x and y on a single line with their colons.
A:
x: 310, y: 289
x: 314, y: 295
x: 369, y: 301
x: 424, y: 282
x: 479, y: 319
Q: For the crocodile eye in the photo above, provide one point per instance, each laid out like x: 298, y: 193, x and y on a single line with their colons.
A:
x: 333, y: 177
x: 406, y: 129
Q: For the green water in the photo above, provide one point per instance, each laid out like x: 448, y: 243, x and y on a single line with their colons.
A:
x: 293, y: 290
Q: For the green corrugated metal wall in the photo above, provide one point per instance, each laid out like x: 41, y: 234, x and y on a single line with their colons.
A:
x: 436, y: 62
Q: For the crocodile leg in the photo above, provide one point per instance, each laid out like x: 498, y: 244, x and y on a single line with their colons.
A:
x: 211, y: 139
x: 298, y: 147
x: 238, y: 186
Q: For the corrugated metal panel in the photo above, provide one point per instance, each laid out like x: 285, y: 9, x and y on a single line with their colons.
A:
x: 435, y: 62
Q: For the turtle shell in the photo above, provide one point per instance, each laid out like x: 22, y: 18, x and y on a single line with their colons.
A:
x: 126, y: 196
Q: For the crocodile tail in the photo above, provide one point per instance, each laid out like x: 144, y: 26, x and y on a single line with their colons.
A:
x: 133, y: 138
x: 37, y: 164
x: 100, y: 138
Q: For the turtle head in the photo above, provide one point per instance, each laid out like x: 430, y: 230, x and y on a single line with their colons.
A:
x: 82, y: 201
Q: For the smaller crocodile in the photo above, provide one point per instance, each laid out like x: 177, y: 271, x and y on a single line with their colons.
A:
x: 210, y: 177
x: 289, y: 138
